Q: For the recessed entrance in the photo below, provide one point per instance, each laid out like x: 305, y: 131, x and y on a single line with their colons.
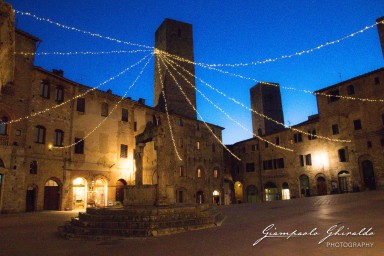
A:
x: 285, y: 193
x: 51, y: 195
x: 271, y: 192
x: 368, y: 175
x: 120, y: 184
x: 216, y: 197
x: 100, y: 192
x: 344, y: 178
x: 238, y: 192
x: 251, y: 191
x: 30, y: 205
x: 79, y: 193
x: 321, y: 186
x: 304, y: 186
x: 200, y: 197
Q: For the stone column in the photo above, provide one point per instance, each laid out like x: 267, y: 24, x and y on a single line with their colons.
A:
x: 139, y: 164
x: 161, y: 196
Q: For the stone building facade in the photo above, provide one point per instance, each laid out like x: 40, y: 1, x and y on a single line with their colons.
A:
x: 318, y: 166
x: 42, y: 169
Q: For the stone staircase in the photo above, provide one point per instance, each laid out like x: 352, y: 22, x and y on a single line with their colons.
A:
x: 140, y: 221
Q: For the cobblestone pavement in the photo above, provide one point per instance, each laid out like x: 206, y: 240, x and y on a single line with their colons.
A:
x: 35, y: 233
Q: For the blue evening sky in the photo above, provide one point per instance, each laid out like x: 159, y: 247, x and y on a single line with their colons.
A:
x: 224, y: 32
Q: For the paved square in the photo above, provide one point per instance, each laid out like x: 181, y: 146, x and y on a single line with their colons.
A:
x: 35, y: 233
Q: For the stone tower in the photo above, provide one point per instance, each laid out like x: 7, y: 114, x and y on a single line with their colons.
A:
x: 266, y: 99
x: 7, y: 44
x: 380, y: 29
x: 176, y: 38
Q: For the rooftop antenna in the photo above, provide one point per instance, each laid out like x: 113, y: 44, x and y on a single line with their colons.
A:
x: 340, y: 76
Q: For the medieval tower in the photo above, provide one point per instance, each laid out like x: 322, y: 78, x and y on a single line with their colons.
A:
x: 175, y: 37
x: 266, y: 99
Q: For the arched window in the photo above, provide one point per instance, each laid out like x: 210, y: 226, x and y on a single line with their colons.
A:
x: 40, y: 134
x: 4, y: 125
x: 59, y: 136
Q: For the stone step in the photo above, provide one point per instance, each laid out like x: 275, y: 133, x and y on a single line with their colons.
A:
x: 113, y: 223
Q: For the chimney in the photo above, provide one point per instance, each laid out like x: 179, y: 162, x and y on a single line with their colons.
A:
x: 58, y: 72
x: 141, y: 101
x: 380, y: 29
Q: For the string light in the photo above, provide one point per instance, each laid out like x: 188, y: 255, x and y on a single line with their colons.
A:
x: 80, y: 53
x: 80, y: 30
x: 194, y: 108
x: 271, y: 84
x: 277, y: 58
x: 79, y: 95
x: 256, y: 112
x: 113, y: 109
x: 166, y: 111
x: 296, y: 53
x: 228, y: 116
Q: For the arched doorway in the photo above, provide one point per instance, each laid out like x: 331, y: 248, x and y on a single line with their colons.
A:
x: 304, y: 186
x: 79, y: 193
x: 31, y: 198
x: 251, y: 191
x: 271, y: 192
x: 51, y: 195
x: 368, y: 175
x: 286, y: 195
x: 238, y: 192
x: 344, y: 179
x: 200, y: 197
x: 120, y: 184
x: 216, y: 197
x: 321, y: 186
x: 100, y: 191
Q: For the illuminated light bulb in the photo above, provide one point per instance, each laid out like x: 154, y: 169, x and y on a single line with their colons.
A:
x: 194, y: 108
x: 113, y: 109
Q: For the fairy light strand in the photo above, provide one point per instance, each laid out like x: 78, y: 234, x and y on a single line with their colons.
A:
x: 271, y: 84
x: 166, y: 111
x: 296, y: 53
x: 113, y: 109
x: 80, y: 53
x: 281, y: 57
x: 256, y: 112
x: 228, y: 116
x: 194, y: 108
x: 80, y: 30
x: 79, y: 95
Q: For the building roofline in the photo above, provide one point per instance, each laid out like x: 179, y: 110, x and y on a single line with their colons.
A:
x: 117, y: 96
x: 19, y: 31
x: 349, y: 80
